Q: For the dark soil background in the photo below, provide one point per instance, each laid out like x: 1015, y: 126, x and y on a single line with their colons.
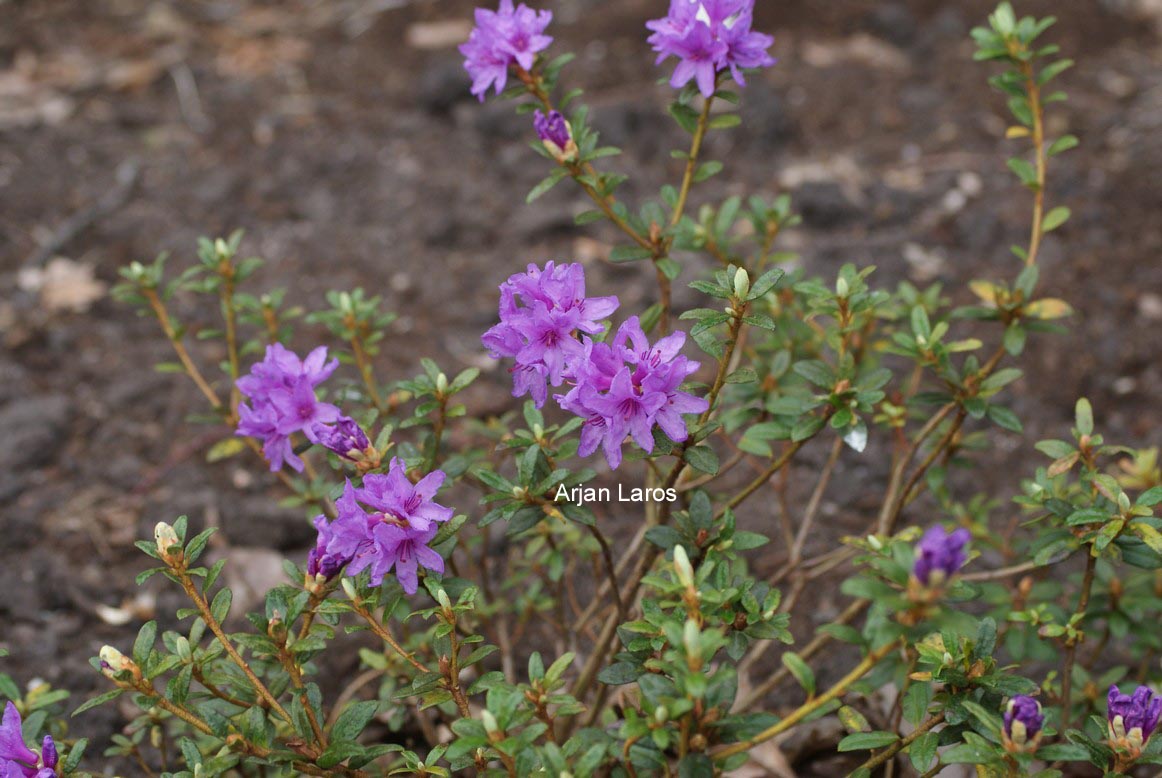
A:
x: 340, y: 135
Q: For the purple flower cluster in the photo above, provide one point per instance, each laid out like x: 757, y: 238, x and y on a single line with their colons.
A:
x: 627, y: 387
x: 17, y: 760
x: 1023, y: 720
x: 281, y: 390
x: 940, y: 555
x: 501, y: 38
x: 540, y: 312
x: 621, y: 388
x: 1133, y: 717
x: 386, y: 523
x: 709, y: 37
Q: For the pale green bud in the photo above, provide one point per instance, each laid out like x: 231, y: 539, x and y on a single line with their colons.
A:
x: 741, y: 283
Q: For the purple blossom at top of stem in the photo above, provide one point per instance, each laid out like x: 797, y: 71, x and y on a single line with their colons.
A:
x: 504, y: 37
x: 541, y: 312
x: 1023, y: 719
x: 17, y: 760
x: 396, y: 497
x: 709, y: 37
x: 940, y: 554
x: 281, y: 391
x: 394, y: 533
x: 1133, y: 717
x: 625, y: 390
x: 345, y: 437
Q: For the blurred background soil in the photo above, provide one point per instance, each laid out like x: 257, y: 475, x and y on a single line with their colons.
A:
x: 341, y: 136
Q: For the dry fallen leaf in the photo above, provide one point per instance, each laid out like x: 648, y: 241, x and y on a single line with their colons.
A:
x: 63, y: 285
x: 438, y: 35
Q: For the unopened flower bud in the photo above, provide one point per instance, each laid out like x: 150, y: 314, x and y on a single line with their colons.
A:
x: 682, y: 566
x: 741, y: 283
x: 442, y: 598
x: 166, y: 539
x: 489, y: 722
x: 556, y: 134
x: 841, y: 287
x: 940, y: 555
x: 441, y: 383
x: 48, y: 752
x: 349, y: 588
x: 661, y: 715
x: 345, y: 437
x: 1132, y: 718
x: 690, y: 634
x: 114, y: 662
x: 1023, y: 721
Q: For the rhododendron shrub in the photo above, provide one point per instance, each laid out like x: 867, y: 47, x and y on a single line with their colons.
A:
x: 512, y: 626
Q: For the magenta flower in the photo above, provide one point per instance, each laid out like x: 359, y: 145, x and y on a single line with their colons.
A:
x: 627, y: 387
x: 388, y: 523
x: 17, y: 760
x: 541, y: 312
x: 709, y: 37
x: 502, y: 38
x: 399, y: 500
x: 940, y: 554
x: 281, y: 390
x: 404, y: 548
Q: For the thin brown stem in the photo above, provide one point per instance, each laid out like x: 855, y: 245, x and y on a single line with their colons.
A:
x: 1071, y: 647
x: 815, y: 703
x: 901, y: 744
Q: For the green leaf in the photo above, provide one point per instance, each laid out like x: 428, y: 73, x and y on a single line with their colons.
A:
x: 618, y: 674
x: 1083, y: 414
x: 1064, y: 143
x: 546, y: 184
x: 226, y: 448
x: 100, y: 699
x: 865, y: 741
x: 725, y: 121
x: 922, y: 752
x: 1005, y: 418
x: 354, y: 718
x: 702, y: 458
x: 1055, y: 218
x: 916, y: 702
x: 801, y: 671
x: 817, y: 372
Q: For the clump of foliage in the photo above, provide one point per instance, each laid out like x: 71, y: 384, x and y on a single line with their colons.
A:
x: 1023, y: 648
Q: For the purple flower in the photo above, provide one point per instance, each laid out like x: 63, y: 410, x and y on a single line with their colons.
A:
x: 627, y: 387
x: 1023, y: 720
x: 398, y: 499
x: 709, y: 37
x: 401, y: 547
x: 387, y: 523
x: 281, y: 390
x: 540, y: 313
x: 345, y: 437
x: 940, y: 554
x: 1133, y: 717
x: 500, y: 39
x: 17, y: 760
x: 556, y: 134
